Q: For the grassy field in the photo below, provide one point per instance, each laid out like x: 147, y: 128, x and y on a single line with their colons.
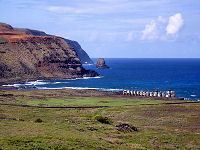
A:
x: 160, y: 123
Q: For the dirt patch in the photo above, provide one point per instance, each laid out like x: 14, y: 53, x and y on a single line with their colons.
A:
x: 103, y: 102
x: 15, y: 119
x: 7, y: 95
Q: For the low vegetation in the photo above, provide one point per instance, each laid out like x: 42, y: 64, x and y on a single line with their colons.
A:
x: 159, y: 124
x: 102, y: 119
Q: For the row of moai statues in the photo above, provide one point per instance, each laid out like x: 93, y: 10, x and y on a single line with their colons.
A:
x: 168, y: 93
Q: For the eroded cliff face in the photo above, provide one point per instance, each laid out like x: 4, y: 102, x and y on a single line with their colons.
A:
x: 83, y: 56
x: 24, y: 55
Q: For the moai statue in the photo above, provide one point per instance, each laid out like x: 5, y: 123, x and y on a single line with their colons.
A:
x: 128, y: 92
x: 152, y: 94
x: 164, y: 94
x: 123, y: 92
x: 132, y: 92
x: 138, y: 93
x: 135, y: 92
x: 141, y: 93
x: 156, y: 92
x: 173, y: 95
x: 160, y: 93
x: 169, y: 93
x: 148, y: 93
x: 145, y: 93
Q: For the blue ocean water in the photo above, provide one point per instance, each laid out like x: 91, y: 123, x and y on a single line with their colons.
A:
x: 180, y: 75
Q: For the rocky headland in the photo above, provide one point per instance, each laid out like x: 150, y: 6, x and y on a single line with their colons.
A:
x: 101, y: 64
x: 83, y: 56
x: 33, y: 54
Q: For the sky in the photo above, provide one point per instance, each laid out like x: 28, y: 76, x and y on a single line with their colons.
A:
x: 114, y: 28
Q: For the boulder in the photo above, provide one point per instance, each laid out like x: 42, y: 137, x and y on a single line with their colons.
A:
x: 123, y: 127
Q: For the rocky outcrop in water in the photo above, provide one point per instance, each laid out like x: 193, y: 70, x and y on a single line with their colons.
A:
x: 101, y: 64
x: 28, y: 53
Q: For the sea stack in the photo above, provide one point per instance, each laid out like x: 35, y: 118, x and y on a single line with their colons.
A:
x: 101, y: 64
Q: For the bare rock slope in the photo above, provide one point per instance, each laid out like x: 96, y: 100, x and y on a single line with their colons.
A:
x: 33, y: 54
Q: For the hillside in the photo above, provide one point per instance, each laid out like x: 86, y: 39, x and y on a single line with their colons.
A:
x: 33, y: 54
x: 83, y: 56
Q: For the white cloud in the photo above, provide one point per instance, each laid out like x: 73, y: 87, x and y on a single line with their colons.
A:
x: 103, y: 6
x: 150, y: 32
x: 160, y: 29
x: 161, y: 19
x: 59, y: 9
x: 130, y: 36
x: 175, y: 23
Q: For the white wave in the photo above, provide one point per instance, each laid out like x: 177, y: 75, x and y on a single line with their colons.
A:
x: 88, y: 88
x: 48, y: 88
x: 81, y: 88
x: 14, y: 85
x: 193, y: 95
x: 112, y: 89
x: 98, y: 77
x: 57, y: 82
x: 37, y: 82
x: 87, y: 64
x: 41, y: 82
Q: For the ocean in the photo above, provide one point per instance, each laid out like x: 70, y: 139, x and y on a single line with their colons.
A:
x: 179, y: 75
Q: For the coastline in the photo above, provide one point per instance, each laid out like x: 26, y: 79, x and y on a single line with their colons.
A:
x: 8, y: 84
x: 89, y: 93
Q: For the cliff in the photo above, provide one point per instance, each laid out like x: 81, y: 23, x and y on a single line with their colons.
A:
x: 101, y: 64
x: 85, y: 59
x: 83, y: 56
x: 28, y: 53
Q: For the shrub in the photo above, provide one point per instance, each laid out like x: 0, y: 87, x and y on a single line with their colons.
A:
x: 102, y: 119
x: 38, y: 120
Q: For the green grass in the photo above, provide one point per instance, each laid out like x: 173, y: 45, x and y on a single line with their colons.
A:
x: 92, y: 101
x: 174, y: 126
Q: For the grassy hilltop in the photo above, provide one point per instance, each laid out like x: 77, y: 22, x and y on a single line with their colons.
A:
x: 66, y: 119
